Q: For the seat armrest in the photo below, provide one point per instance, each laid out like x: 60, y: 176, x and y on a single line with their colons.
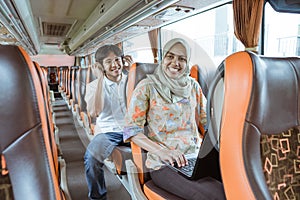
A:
x: 63, y: 179
x: 119, y: 155
x: 133, y: 179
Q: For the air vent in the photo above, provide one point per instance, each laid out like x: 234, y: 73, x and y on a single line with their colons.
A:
x: 55, y: 29
x: 174, y: 12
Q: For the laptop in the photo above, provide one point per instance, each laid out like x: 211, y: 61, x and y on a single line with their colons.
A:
x: 203, y: 164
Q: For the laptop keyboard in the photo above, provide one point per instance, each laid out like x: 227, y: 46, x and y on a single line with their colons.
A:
x: 190, y: 166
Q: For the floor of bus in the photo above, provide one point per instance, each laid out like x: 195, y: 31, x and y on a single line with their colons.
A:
x: 73, y: 141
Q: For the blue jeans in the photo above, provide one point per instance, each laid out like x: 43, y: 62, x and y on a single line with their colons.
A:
x: 97, y: 151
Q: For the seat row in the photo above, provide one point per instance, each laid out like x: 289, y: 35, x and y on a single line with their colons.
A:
x: 28, y: 137
x: 253, y: 113
x: 72, y: 86
x: 73, y: 81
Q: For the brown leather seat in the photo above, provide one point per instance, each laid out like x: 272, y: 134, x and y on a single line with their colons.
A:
x: 89, y: 121
x: 259, y: 136
x: 63, y: 85
x: 74, y: 89
x: 68, y: 95
x: 53, y: 134
x: 81, y: 105
x: 24, y: 135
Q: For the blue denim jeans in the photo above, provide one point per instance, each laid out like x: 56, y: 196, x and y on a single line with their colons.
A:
x: 97, y: 151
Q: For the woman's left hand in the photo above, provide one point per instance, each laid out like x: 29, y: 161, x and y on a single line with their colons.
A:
x: 172, y: 156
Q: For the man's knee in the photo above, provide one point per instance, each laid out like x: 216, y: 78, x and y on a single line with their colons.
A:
x: 88, y: 158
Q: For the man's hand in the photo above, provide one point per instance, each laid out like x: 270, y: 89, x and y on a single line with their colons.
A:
x: 127, y: 62
x: 97, y: 69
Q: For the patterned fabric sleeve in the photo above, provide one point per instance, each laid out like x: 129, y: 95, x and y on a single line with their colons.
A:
x: 135, y: 118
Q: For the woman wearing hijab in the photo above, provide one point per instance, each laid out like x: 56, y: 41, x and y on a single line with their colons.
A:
x: 172, y: 104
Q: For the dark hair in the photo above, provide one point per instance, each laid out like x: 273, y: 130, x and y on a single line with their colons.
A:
x: 103, y: 52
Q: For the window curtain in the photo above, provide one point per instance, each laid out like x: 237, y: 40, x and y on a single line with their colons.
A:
x: 153, y: 37
x: 247, y: 22
x: 3, y: 167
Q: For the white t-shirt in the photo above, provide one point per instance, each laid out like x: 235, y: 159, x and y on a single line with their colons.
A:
x: 111, y: 119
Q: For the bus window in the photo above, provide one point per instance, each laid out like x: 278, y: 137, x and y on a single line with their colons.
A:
x: 211, y: 30
x: 282, y: 33
x: 139, y: 48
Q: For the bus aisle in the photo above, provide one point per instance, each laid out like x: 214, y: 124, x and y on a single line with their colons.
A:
x: 73, y: 141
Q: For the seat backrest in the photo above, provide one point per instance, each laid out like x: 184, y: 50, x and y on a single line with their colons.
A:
x: 137, y: 72
x: 82, y: 88
x: 75, y: 86
x: 51, y: 126
x: 76, y: 83
x: 62, y: 77
x: 73, y: 83
x: 24, y: 137
x: 69, y: 83
x: 59, y: 71
x: 90, y: 76
x: 204, y: 75
x: 92, y: 120
x: 259, y: 140
x: 66, y: 81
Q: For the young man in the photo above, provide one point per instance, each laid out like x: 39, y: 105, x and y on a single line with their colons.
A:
x: 108, y: 90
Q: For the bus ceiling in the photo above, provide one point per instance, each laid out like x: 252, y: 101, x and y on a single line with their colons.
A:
x: 77, y: 27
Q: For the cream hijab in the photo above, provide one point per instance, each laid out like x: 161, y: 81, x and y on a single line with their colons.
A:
x: 173, y: 90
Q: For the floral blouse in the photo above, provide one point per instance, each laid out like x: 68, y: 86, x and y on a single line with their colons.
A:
x: 170, y: 124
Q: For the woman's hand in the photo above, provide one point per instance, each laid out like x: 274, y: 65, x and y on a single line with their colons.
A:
x: 165, y: 154
x: 172, y: 156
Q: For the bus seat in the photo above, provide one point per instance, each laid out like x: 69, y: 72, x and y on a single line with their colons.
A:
x: 72, y: 98
x: 75, y: 89
x: 60, y: 74
x: 149, y: 190
x: 204, y: 75
x: 69, y: 86
x: 53, y: 130
x: 64, y: 82
x: 67, y: 76
x: 89, y: 121
x: 24, y: 136
x: 259, y: 140
x: 81, y: 111
x: 119, y: 155
x: 59, y: 162
x: 62, y: 78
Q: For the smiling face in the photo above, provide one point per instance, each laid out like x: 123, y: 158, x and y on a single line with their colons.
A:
x: 175, y: 61
x: 113, y: 66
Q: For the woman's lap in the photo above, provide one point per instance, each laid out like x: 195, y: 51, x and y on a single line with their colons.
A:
x: 204, y: 188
